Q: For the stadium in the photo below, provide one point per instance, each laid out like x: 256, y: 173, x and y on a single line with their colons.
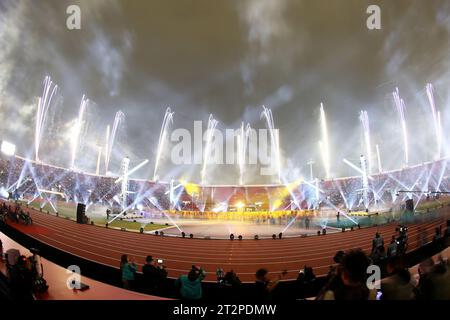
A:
x: 248, y: 209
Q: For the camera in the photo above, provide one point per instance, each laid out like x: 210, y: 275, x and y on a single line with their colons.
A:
x: 402, y: 229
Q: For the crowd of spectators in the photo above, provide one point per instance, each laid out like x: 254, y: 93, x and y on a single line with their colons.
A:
x: 344, y: 193
x: 347, y: 279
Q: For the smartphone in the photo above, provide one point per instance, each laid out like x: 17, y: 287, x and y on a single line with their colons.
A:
x: 379, y: 295
x: 160, y: 261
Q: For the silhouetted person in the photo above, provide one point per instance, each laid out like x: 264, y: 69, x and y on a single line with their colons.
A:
x: 392, y: 248
x: 128, y: 269
x: 307, y: 223
x: 190, y: 286
x: 397, y: 286
x: 377, y: 242
x: 150, y: 276
x: 353, y: 275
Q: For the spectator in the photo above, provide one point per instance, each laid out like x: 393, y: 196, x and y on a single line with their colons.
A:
x: 333, y: 277
x: 392, y: 248
x: 20, y: 278
x: 264, y: 286
x: 220, y: 274
x: 230, y: 286
x: 434, y: 281
x: 306, y: 282
x: 378, y: 256
x: 231, y: 279
x: 307, y: 223
x: 377, y: 242
x: 128, y: 269
x: 397, y: 286
x: 150, y: 276
x: 437, y: 238
x: 191, y: 285
x: 353, y: 275
x: 309, y: 275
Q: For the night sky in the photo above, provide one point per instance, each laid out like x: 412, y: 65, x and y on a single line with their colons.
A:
x: 227, y: 58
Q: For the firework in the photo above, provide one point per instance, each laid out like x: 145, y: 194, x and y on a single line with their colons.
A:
x: 242, y: 150
x: 75, y: 138
x: 274, y: 138
x: 436, y: 115
x: 364, y: 117
x: 168, y: 119
x: 119, y: 118
x: 401, y: 108
x: 212, y: 124
x: 323, y: 144
x: 44, y: 103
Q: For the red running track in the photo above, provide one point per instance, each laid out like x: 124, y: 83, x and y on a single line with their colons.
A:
x: 105, y: 246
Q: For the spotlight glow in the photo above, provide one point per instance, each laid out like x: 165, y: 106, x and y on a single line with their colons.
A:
x: 8, y: 148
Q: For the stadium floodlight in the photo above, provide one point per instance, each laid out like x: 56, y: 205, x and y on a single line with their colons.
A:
x: 8, y: 148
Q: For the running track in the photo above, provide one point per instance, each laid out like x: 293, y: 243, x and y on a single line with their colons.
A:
x: 105, y: 246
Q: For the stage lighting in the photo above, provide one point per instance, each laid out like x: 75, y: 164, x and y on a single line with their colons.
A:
x: 106, y: 225
x: 156, y: 233
x: 274, y: 236
x: 231, y: 236
x: 318, y: 232
x: 8, y: 148
x: 324, y: 231
x: 183, y: 234
x: 240, y: 205
x: 280, y: 235
x: 191, y: 236
x: 240, y: 237
x: 161, y: 233
x: 351, y: 228
x: 256, y: 237
x: 141, y: 230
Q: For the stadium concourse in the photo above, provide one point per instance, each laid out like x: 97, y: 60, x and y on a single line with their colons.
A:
x: 105, y: 246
